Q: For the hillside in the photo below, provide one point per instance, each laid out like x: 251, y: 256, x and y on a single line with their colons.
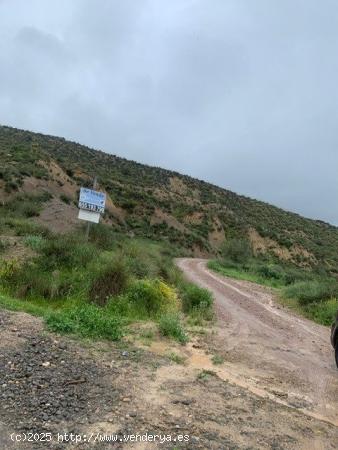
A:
x: 40, y: 177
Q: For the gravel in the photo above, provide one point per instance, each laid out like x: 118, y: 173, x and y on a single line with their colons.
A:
x: 46, y: 381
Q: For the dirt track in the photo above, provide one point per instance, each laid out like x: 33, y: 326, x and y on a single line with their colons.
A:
x: 269, y: 350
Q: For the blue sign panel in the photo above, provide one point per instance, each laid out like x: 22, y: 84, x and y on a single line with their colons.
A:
x: 92, y: 200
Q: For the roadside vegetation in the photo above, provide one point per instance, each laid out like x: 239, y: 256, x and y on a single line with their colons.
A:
x: 98, y: 288
x: 311, y: 291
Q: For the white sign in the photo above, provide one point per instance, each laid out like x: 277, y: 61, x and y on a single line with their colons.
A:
x: 89, y: 216
x: 91, y: 200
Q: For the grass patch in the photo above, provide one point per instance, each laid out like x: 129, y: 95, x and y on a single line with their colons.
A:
x: 204, y: 375
x: 34, y: 242
x: 177, y: 359
x: 3, y: 246
x: 312, y: 291
x: 147, y: 333
x: 194, y: 297
x: 109, y: 280
x: 170, y: 325
x: 243, y: 273
x: 217, y: 360
x: 35, y: 309
x: 86, y: 321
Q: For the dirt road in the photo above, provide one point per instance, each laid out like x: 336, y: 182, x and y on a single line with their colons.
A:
x: 268, y: 349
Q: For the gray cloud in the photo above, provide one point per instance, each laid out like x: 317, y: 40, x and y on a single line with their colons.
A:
x: 242, y: 93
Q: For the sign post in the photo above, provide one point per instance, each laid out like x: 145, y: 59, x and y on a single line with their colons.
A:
x: 91, y: 205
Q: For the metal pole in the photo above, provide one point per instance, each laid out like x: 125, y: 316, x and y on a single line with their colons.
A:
x: 89, y: 223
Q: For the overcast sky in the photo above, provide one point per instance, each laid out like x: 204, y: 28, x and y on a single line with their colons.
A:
x: 242, y: 93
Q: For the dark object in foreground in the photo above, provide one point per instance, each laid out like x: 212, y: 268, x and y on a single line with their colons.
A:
x: 334, y: 338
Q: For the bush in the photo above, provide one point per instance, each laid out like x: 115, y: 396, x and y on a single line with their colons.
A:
x: 103, y: 236
x: 194, y: 297
x: 67, y: 251
x: 31, y: 281
x: 87, y: 321
x: 143, y: 260
x: 65, y: 199
x: 312, y: 291
x: 110, y: 281
x: 30, y: 209
x: 25, y: 227
x: 270, y: 271
x: 293, y: 275
x: 171, y: 326
x: 34, y: 242
x: 8, y: 270
x: 324, y: 313
x: 3, y: 246
x: 237, y: 250
x: 153, y: 297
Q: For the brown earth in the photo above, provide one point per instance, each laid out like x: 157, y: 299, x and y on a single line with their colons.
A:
x: 261, y: 245
x: 268, y: 350
x: 275, y: 386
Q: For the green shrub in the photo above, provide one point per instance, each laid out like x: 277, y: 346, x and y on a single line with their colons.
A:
x: 323, y: 313
x: 153, y: 297
x: 122, y: 307
x: 3, y: 245
x: 143, y: 260
x: 141, y: 267
x: 25, y: 227
x: 30, y: 281
x: 103, y: 237
x: 30, y: 209
x: 11, y: 186
x: 109, y: 281
x: 237, y: 250
x: 171, y: 326
x: 293, y: 275
x: 87, y: 321
x: 34, y: 242
x: 270, y: 271
x: 65, y: 199
x: 312, y: 291
x: 217, y: 359
x: 8, y: 270
x: 194, y: 297
x: 67, y: 251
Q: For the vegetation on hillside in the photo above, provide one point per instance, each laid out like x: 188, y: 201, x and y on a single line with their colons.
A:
x: 157, y: 203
